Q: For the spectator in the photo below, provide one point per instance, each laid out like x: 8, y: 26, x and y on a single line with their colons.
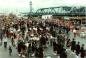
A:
x: 74, y: 31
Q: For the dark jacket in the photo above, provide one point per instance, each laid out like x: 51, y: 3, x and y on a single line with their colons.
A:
x: 77, y: 49
x: 82, y: 52
x: 73, y: 45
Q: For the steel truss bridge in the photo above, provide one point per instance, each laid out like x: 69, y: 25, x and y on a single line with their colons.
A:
x: 60, y: 11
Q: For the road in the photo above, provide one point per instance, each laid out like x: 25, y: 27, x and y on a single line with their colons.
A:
x: 4, y: 53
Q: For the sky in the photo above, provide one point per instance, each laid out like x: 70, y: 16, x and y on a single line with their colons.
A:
x: 23, y: 5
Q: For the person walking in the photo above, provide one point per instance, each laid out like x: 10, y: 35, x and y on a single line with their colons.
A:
x: 10, y: 50
x: 54, y: 46
x: 78, y: 48
x: 5, y: 42
x: 63, y: 54
x: 68, y: 44
x: 40, y: 52
x: 73, y: 45
x: 12, y: 41
x: 1, y: 36
x: 82, y: 51
x: 29, y: 50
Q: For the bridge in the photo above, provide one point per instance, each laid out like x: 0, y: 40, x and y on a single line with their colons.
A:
x: 60, y: 11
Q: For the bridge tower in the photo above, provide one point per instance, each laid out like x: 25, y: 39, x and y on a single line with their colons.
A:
x: 30, y: 7
x: 30, y: 12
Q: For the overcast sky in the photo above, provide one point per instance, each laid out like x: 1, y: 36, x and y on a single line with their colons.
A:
x: 24, y: 4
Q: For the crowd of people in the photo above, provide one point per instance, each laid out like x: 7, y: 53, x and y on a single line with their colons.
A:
x: 32, y: 37
x: 77, y: 48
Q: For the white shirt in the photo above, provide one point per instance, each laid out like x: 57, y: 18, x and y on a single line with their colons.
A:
x: 5, y: 39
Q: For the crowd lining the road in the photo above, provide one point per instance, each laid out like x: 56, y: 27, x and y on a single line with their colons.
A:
x: 32, y: 37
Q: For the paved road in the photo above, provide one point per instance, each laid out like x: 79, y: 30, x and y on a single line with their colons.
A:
x: 5, y: 54
x: 78, y: 39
